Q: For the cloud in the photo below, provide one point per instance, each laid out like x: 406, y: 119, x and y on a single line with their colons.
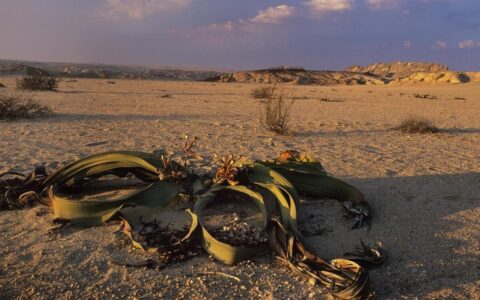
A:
x: 383, y: 4
x: 273, y: 15
x: 407, y: 44
x: 326, y: 6
x: 227, y: 26
x: 270, y: 15
x: 440, y: 45
x: 468, y: 44
x: 137, y: 9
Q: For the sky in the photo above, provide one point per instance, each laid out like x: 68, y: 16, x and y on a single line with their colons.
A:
x: 242, y: 34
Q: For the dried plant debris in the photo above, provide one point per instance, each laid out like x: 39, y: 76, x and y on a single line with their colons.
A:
x: 227, y: 171
x: 416, y: 125
x: 16, y: 107
x: 238, y: 233
x: 188, y: 149
x: 172, y: 170
x: 166, y: 239
x: 326, y: 99
x: 424, y: 96
x: 263, y: 92
x: 155, y: 235
x: 37, y: 82
x: 275, y: 114
x: 18, y: 190
x: 367, y: 254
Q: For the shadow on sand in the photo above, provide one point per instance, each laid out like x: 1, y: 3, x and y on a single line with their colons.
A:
x: 429, y: 224
x: 360, y: 132
x: 153, y: 93
x: 61, y: 117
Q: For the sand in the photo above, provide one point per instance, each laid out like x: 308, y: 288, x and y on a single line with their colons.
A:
x: 424, y: 189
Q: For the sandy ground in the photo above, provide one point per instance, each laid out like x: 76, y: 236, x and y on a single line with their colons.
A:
x: 424, y: 189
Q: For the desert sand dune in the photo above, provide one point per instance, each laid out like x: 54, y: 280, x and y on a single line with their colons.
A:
x: 424, y: 189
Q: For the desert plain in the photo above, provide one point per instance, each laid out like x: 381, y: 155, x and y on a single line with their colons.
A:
x: 423, y: 188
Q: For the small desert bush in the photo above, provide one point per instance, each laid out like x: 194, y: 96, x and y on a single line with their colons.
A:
x: 424, y: 96
x: 275, y: 113
x: 326, y: 99
x: 14, y: 107
x: 264, y: 92
x: 37, y: 82
x: 416, y: 125
x: 2, y: 85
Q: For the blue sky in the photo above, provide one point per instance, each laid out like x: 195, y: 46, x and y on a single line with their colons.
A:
x: 242, y: 34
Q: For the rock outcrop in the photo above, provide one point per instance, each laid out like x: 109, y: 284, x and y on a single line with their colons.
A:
x: 395, y: 70
x: 433, y: 78
x: 376, y: 74
x: 299, y: 76
x: 21, y: 70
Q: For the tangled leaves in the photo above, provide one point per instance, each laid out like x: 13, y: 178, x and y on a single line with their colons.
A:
x: 273, y: 186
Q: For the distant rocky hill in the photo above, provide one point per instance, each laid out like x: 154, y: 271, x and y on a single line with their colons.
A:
x: 299, y: 76
x: 398, y: 69
x: 377, y: 74
x: 439, y: 77
x: 20, y: 68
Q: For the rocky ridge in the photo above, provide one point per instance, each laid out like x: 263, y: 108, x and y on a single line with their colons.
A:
x: 375, y: 74
x: 398, y: 69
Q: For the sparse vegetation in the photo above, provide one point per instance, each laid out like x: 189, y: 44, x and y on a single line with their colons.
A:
x: 326, y: 99
x: 416, y: 125
x: 275, y: 113
x: 71, y: 80
x: 15, y: 107
x: 299, y: 97
x: 460, y: 98
x: 425, y: 96
x: 111, y: 82
x: 2, y: 85
x: 37, y: 82
x: 167, y: 96
x: 265, y: 92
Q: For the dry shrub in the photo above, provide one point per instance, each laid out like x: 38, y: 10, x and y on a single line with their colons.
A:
x: 326, y: 99
x: 264, y: 92
x: 37, y: 82
x: 275, y: 113
x: 424, y: 96
x: 416, y: 125
x: 2, y: 85
x: 14, y: 107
